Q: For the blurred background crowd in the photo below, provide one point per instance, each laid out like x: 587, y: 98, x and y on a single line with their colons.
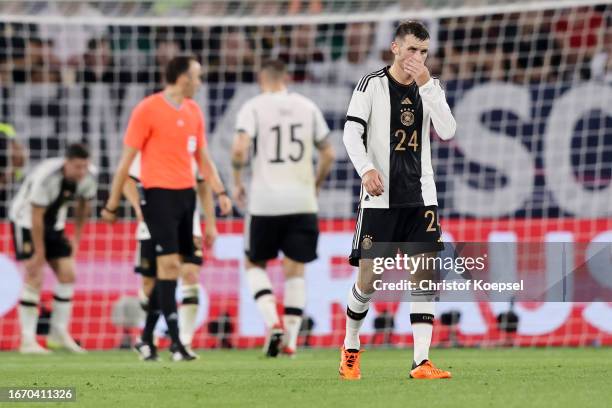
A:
x: 539, y: 46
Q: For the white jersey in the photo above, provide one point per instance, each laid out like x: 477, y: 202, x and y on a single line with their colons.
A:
x: 388, y: 129
x: 142, y: 231
x: 284, y: 128
x: 45, y: 186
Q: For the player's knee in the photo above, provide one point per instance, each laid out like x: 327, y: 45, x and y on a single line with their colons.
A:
x: 293, y: 269
x: 366, y: 278
x: 147, y: 285
x: 168, y: 267
x: 34, y: 280
x: 66, y: 275
x: 190, y: 276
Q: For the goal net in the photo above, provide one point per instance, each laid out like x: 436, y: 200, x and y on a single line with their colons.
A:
x: 529, y: 83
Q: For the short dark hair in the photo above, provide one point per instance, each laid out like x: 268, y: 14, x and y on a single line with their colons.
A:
x: 276, y: 66
x: 413, y: 27
x: 77, y: 151
x: 177, y: 67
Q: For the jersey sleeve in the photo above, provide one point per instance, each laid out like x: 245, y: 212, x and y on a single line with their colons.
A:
x: 246, y: 121
x: 202, y: 141
x: 321, y: 130
x: 355, y: 128
x: 41, y: 193
x: 434, y: 102
x: 88, y: 188
x: 134, y: 171
x: 138, y: 129
x: 360, y: 105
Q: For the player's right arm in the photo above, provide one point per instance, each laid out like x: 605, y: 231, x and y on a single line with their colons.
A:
x: 41, y: 196
x: 246, y: 129
x: 38, y: 239
x: 121, y: 175
x: 130, y: 191
x: 355, y: 127
x: 137, y: 133
x: 240, y: 149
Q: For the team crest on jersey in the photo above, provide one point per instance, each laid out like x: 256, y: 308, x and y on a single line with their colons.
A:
x: 407, y: 118
x: 366, y: 242
x: 27, y: 248
x: 406, y: 101
x: 145, y: 264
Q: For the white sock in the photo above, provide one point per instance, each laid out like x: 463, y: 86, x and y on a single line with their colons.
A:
x: 295, y: 301
x: 356, y: 310
x: 261, y: 288
x: 421, y: 319
x: 188, y: 312
x: 62, y: 307
x: 28, y: 313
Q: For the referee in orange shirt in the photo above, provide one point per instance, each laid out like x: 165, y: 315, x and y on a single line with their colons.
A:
x: 167, y: 128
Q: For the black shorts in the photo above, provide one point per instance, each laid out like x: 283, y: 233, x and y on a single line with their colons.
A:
x: 296, y: 235
x: 146, y: 259
x: 169, y: 217
x: 56, y: 244
x: 406, y: 225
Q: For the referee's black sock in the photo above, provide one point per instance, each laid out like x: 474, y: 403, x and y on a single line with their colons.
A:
x: 153, y: 313
x: 167, y: 302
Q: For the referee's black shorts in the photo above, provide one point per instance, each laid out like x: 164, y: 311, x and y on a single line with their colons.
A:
x: 169, y: 217
x: 416, y: 225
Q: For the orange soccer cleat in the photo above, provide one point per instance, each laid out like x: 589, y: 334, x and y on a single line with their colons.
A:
x: 427, y: 371
x: 349, y: 364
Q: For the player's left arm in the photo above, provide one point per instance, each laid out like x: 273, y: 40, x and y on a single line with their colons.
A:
x: 82, y: 208
x: 434, y: 99
x: 208, y: 169
x: 208, y: 205
x: 327, y: 154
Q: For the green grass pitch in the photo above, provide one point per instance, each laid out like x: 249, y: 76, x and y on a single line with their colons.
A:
x: 553, y: 377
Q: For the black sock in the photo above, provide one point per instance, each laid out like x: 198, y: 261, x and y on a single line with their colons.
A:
x: 153, y: 313
x: 167, y: 303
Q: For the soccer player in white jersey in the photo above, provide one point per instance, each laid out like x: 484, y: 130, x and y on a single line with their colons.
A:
x: 283, y: 128
x: 387, y: 136
x: 146, y: 264
x: 38, y: 216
